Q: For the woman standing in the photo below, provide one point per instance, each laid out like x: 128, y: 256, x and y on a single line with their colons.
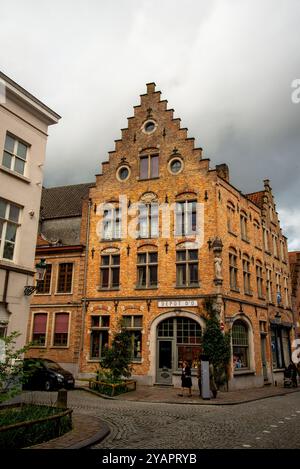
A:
x: 186, y: 379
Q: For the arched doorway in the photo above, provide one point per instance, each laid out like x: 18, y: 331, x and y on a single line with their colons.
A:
x: 177, y: 338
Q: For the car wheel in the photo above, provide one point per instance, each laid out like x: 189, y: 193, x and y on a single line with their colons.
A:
x: 48, y: 385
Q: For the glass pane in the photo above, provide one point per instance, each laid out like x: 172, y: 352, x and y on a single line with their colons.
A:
x: 6, y: 161
x: 240, y: 357
x: 1, y: 228
x: 116, y: 260
x: 181, y: 255
x: 115, y: 276
x: 137, y: 321
x: 142, y: 258
x: 105, y: 260
x: 9, y: 144
x: 14, y: 213
x: 175, y: 166
x: 193, y: 255
x: 144, y: 168
x: 193, y: 268
x: 104, y: 321
x: 11, y: 232
x: 142, y: 276
x: 104, y: 278
x: 154, y: 166
x: 2, y: 208
x: 95, y: 344
x: 22, y: 150
x: 152, y: 257
x: 8, y: 251
x: 95, y: 321
x: 126, y: 321
x: 153, y: 275
x: 19, y: 166
x: 154, y: 220
x: 181, y: 274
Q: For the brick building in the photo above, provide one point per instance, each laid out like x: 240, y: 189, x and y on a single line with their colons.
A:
x: 55, y: 323
x: 294, y: 259
x: 166, y: 231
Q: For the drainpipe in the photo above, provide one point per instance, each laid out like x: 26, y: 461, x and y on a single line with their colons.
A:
x: 84, y: 299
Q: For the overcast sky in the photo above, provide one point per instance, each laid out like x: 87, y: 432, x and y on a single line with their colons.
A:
x: 225, y: 66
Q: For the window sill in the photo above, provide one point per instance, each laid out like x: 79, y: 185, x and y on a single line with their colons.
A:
x: 42, y: 294
x: 245, y: 240
x: 248, y: 293
x: 63, y: 294
x: 235, y: 290
x: 187, y: 286
x: 257, y: 247
x: 108, y: 289
x: 268, y: 252
x: 109, y: 240
x: 278, y: 370
x: 243, y: 372
x: 38, y: 346
x: 59, y: 346
x: 146, y: 288
x: 147, y: 179
x: 232, y: 233
x: 14, y: 174
x: 260, y: 297
x: 140, y: 238
x: 137, y: 362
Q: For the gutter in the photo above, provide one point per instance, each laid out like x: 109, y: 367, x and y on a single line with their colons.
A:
x: 84, y: 298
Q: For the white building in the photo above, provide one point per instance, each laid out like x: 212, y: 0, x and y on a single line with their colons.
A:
x: 24, y: 122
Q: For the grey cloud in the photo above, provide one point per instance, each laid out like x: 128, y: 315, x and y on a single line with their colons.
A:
x: 226, y: 66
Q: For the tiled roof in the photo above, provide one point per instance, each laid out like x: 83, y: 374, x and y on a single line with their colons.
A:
x: 63, y: 201
x: 256, y: 198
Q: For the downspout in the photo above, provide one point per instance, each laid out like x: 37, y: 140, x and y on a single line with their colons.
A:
x: 84, y: 299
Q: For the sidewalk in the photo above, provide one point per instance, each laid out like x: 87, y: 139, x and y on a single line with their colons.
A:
x: 87, y: 430
x: 169, y: 395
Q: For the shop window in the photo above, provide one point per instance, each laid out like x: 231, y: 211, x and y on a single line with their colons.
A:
x: 99, y: 335
x: 240, y: 345
x: 281, y: 346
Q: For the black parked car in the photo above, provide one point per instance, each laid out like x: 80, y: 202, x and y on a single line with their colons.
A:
x: 46, y: 374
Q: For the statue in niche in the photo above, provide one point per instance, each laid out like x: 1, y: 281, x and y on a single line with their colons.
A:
x: 218, y: 268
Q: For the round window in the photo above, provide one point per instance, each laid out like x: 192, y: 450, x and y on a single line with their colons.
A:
x: 123, y: 173
x: 175, y: 166
x: 149, y: 127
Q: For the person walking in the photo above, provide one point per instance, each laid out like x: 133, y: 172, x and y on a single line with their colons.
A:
x: 292, y: 368
x: 186, y: 379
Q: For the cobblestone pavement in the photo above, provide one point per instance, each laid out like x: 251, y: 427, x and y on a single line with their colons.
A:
x: 268, y: 423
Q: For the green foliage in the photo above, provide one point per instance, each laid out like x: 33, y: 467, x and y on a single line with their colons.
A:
x: 12, y: 374
x: 216, y: 345
x: 115, y: 361
x: 36, y: 432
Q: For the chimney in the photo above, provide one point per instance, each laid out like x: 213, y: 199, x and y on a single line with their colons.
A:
x: 223, y: 171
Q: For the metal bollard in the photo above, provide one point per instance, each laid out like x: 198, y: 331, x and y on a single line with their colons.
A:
x: 62, y: 399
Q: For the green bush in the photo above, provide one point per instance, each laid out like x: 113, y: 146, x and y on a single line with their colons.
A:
x: 37, y: 432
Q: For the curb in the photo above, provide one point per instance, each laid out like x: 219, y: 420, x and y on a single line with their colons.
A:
x: 211, y: 403
x: 96, y: 438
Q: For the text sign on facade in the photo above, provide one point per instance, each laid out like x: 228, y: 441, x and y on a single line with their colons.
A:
x: 177, y: 303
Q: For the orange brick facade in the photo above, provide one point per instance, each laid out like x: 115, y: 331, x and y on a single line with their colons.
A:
x: 252, y: 296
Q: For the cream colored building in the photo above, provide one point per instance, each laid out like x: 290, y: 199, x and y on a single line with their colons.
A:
x: 24, y: 122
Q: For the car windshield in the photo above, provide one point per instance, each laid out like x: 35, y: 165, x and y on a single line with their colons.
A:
x: 52, y: 365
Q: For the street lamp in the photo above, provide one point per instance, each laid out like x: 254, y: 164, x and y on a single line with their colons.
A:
x: 40, y: 275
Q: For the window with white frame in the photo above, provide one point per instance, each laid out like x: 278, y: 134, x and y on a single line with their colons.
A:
x: 240, y: 345
x: 133, y: 325
x: 269, y: 286
x: 186, y: 218
x: 99, y: 335
x: 9, y: 223
x: 112, y: 223
x: 148, y: 221
x: 39, y: 329
x: 15, y: 154
x: 61, y: 329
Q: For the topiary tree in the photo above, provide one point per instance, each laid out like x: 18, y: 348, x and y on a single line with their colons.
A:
x: 216, y: 345
x: 115, y: 361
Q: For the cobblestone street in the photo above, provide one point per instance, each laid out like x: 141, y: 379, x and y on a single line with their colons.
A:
x: 267, y: 423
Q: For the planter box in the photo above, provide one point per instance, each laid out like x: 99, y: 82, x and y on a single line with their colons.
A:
x: 111, y: 389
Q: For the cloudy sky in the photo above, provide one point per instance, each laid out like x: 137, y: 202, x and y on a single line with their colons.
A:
x: 225, y: 66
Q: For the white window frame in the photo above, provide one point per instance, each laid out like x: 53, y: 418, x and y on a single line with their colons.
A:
x: 14, y: 155
x: 6, y: 221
